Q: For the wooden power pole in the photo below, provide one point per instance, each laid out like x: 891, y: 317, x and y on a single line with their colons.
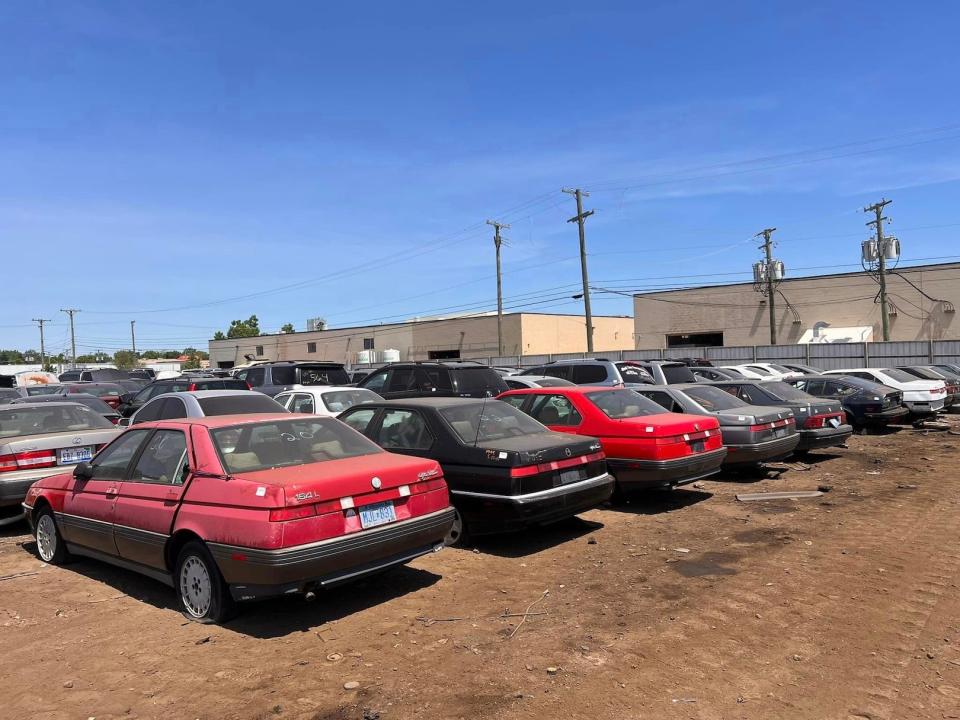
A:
x: 767, y: 248
x: 497, y: 242
x: 579, y: 218
x: 877, y: 210
x: 43, y: 351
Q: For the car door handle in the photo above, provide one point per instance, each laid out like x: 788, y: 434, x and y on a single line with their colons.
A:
x: 111, y: 492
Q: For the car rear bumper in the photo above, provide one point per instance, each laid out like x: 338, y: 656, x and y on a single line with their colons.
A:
x: 14, y: 489
x: 924, y: 407
x: 646, y: 474
x: 824, y: 437
x: 767, y: 451
x: 487, y: 513
x: 885, y: 416
x: 252, y: 573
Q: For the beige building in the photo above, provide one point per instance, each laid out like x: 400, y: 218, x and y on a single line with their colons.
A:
x: 922, y: 307
x: 447, y: 338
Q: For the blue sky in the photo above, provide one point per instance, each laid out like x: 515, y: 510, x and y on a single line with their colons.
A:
x: 185, y: 164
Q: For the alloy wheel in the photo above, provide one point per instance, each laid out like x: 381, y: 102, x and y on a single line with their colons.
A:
x: 196, y: 589
x: 46, y: 537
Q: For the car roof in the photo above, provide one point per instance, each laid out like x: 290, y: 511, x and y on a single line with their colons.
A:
x: 428, y: 402
x: 217, y: 421
x: 45, y: 404
x: 319, y: 389
x: 441, y: 363
x: 296, y: 362
x: 201, y: 394
x: 573, y: 389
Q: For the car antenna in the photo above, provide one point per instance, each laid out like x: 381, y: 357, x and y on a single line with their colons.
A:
x: 479, y: 421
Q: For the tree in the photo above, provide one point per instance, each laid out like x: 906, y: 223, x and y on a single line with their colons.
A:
x: 244, y: 328
x: 124, y: 359
x: 150, y: 355
x: 219, y: 336
x: 288, y: 328
x: 12, y: 357
x: 191, y: 364
x: 170, y: 354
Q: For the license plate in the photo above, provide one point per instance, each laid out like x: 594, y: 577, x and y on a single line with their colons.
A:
x: 377, y: 514
x: 72, y: 456
x: 835, y: 422
x: 779, y: 432
x: 569, y: 476
x: 697, y: 446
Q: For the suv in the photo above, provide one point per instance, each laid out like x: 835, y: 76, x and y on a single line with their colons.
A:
x: 180, y: 384
x: 594, y: 372
x: 271, y: 378
x: 93, y: 375
x: 668, y: 372
x: 435, y: 379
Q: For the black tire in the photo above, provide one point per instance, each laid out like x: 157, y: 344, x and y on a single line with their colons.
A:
x: 50, y: 545
x: 202, y: 594
x: 459, y: 534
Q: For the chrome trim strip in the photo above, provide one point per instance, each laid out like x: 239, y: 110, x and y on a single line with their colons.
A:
x: 540, y: 494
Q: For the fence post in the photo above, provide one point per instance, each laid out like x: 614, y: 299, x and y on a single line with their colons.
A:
x: 866, y: 354
x: 754, y: 353
x: 806, y: 353
x: 930, y: 351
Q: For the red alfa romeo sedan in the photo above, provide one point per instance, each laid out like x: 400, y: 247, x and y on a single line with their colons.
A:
x: 646, y: 447
x: 233, y: 508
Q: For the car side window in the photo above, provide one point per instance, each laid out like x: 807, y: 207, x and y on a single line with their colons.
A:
x: 516, y: 400
x: 376, y: 381
x: 255, y: 376
x: 150, y: 411
x: 282, y: 375
x: 513, y: 385
x: 558, y: 371
x: 750, y: 395
x: 814, y: 387
x: 173, y: 408
x: 404, y: 429
x: 555, y: 410
x: 586, y: 374
x: 302, y: 403
x: 359, y: 420
x: 432, y: 379
x: 404, y: 378
x: 163, y: 460
x: 111, y: 463
x: 661, y: 398
x: 284, y: 399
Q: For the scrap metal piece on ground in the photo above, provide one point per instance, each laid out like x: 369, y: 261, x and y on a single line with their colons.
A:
x: 784, y: 495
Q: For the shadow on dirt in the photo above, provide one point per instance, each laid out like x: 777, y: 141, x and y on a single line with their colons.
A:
x: 533, y: 540
x: 654, y: 502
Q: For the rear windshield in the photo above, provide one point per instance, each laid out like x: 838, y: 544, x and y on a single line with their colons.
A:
x: 340, y: 400
x: 781, y: 368
x: 487, y: 421
x: 98, y: 389
x: 43, y: 390
x: 899, y: 375
x: 711, y: 398
x: 759, y: 370
x: 553, y: 382
x: 70, y: 375
x: 219, y: 384
x: 480, y: 379
x: 784, y: 391
x: 622, y: 404
x: 925, y: 373
x: 252, y: 402
x: 288, y: 443
x: 108, y: 374
x: 634, y: 373
x: 321, y: 375
x: 678, y: 374
x: 19, y: 421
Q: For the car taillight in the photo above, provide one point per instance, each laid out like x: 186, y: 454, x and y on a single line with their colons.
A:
x: 815, y: 422
x: 249, y: 386
x: 303, y: 511
x: 23, y: 461
x: 771, y: 425
x: 191, y: 387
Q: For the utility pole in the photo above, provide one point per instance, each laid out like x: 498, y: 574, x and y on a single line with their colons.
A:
x: 497, y: 241
x: 767, y: 248
x: 133, y: 338
x: 579, y: 218
x: 43, y: 352
x: 73, y: 338
x: 877, y: 210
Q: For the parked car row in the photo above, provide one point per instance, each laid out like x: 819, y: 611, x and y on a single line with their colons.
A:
x: 288, y: 479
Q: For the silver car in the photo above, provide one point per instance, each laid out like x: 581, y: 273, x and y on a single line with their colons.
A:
x: 201, y: 403
x: 519, y: 382
x: 40, y: 440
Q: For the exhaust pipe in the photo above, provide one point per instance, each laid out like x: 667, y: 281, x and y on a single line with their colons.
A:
x: 310, y: 596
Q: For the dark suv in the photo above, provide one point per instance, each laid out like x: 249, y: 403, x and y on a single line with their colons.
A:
x: 181, y: 384
x: 594, y: 372
x: 93, y: 375
x: 435, y: 379
x: 275, y: 377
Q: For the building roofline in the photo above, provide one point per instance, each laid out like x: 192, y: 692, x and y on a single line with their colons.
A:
x: 909, y: 268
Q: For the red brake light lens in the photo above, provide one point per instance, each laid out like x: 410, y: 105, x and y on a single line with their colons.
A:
x: 23, y: 461
x: 191, y: 387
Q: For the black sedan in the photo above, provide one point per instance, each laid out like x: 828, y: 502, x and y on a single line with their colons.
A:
x: 866, y: 403
x: 505, y: 470
x: 821, y: 423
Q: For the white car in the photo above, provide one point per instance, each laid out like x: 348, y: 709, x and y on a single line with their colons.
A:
x: 519, y: 382
x: 765, y: 371
x: 922, y: 397
x: 329, y: 400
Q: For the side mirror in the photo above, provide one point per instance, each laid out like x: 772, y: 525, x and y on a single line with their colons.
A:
x: 83, y: 471
x: 123, y: 422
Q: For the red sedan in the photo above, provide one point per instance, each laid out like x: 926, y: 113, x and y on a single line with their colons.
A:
x: 646, y: 447
x: 232, y: 508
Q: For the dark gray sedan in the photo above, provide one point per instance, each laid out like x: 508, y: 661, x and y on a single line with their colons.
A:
x: 751, y: 434
x: 821, y: 423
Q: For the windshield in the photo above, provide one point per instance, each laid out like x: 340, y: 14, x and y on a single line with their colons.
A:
x: 713, y: 399
x: 323, y: 375
x: 340, y: 400
x: 98, y: 389
x: 248, y: 402
x: 678, y: 374
x: 33, y: 390
x: 899, y: 375
x: 288, y: 443
x: 785, y: 392
x: 621, y: 404
x: 477, y: 423
x: 27, y: 420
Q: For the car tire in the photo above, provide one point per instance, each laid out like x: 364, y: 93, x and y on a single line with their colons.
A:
x: 202, y: 594
x: 50, y: 545
x: 459, y: 534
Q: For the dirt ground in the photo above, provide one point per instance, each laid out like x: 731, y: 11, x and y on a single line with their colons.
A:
x: 682, y: 605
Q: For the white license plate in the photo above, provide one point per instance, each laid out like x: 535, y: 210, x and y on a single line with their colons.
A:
x: 377, y: 514
x: 72, y: 456
x: 835, y: 422
x: 569, y: 476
